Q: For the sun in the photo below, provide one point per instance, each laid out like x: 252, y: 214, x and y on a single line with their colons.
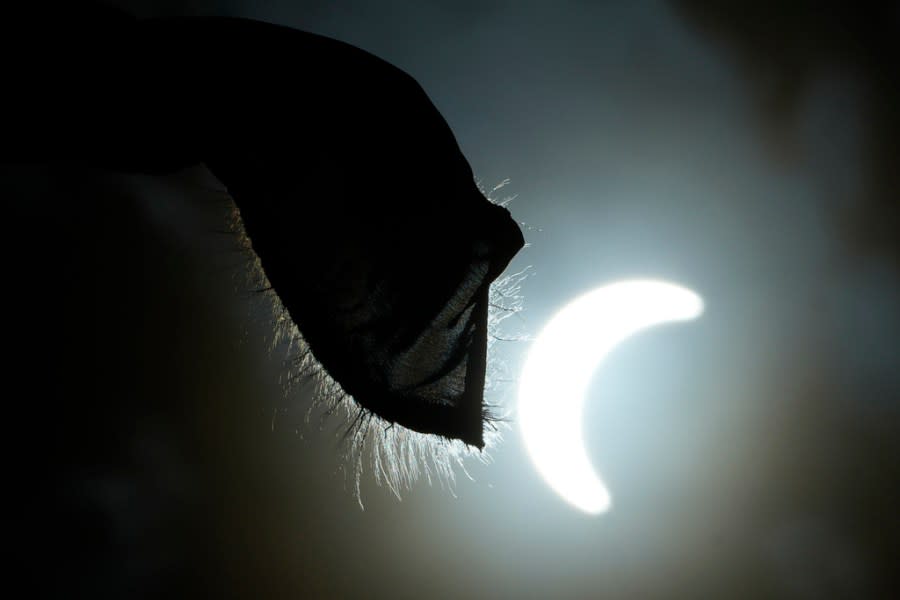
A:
x: 559, y: 368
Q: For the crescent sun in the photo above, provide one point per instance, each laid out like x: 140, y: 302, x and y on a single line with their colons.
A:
x: 559, y: 368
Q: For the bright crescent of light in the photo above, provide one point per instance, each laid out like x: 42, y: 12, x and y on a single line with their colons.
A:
x: 559, y: 367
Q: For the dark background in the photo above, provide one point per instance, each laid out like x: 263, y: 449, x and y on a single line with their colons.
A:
x: 748, y: 152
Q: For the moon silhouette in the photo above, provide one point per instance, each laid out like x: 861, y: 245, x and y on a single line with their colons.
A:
x: 559, y: 367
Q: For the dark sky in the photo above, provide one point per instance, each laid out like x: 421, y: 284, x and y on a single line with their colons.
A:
x: 753, y: 453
